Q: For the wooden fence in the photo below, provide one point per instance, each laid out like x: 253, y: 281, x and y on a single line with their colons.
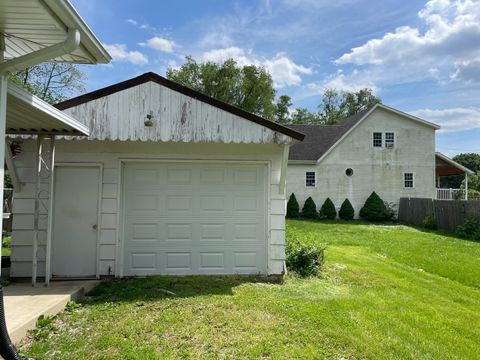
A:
x: 447, y: 214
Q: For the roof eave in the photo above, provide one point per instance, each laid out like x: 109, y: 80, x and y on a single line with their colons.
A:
x: 454, y: 163
x: 70, y: 17
x: 48, y: 109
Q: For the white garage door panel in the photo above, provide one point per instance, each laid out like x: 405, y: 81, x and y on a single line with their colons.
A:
x: 194, y: 218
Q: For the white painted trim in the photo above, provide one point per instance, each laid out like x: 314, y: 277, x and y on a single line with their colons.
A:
x: 366, y: 115
x: 54, y: 113
x: 3, y: 121
x: 283, y: 170
x: 119, y: 251
x: 99, y: 206
x: 454, y: 163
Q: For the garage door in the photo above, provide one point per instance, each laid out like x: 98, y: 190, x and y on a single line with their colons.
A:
x: 194, y: 218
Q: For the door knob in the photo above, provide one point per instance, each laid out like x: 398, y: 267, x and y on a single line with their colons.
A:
x: 94, y: 226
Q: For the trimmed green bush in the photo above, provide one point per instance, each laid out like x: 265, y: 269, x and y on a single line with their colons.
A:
x: 304, y: 260
x: 328, y: 211
x: 309, y: 210
x: 429, y: 223
x: 469, y: 230
x: 346, y: 210
x: 375, y: 209
x: 293, y: 209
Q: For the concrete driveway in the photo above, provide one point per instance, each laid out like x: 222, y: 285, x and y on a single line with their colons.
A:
x: 25, y: 303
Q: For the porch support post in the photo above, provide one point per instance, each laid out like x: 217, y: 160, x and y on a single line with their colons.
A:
x: 36, y: 212
x: 466, y: 186
x: 48, y: 252
x: 3, y: 119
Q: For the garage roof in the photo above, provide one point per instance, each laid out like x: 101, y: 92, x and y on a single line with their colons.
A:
x: 30, y: 25
x: 27, y: 114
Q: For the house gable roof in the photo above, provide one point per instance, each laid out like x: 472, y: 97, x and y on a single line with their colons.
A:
x: 321, y: 139
x: 153, y: 77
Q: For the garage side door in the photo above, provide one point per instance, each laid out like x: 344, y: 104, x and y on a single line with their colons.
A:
x: 194, y: 218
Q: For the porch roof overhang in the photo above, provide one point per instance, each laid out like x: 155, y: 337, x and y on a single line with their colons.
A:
x: 29, y: 115
x: 27, y: 26
x: 444, y: 166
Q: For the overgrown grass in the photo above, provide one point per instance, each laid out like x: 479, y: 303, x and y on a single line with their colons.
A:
x: 386, y: 292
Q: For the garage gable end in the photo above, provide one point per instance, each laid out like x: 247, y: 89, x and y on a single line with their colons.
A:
x: 156, y: 109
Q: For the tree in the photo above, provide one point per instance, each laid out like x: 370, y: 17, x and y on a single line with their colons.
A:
x: 346, y: 210
x: 337, y: 105
x: 52, y: 82
x: 473, y: 182
x: 293, y: 209
x: 375, y: 209
x: 469, y: 160
x: 328, y: 211
x: 282, y: 112
x: 304, y: 116
x: 309, y: 210
x: 248, y: 87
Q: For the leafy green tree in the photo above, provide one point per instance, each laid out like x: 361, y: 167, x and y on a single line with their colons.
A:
x: 282, y: 112
x: 375, y: 209
x: 346, y: 210
x: 309, y: 210
x: 304, y: 116
x: 248, y: 87
x: 293, y: 209
x: 469, y: 160
x: 473, y: 182
x: 328, y: 211
x: 52, y: 82
x: 337, y: 105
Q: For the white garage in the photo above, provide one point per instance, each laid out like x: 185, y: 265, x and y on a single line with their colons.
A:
x: 178, y: 183
x: 194, y: 218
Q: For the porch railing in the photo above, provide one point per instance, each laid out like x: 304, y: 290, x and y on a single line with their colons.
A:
x: 451, y: 194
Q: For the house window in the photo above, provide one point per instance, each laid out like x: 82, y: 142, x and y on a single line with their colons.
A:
x: 409, y: 180
x: 310, y: 179
x: 377, y: 139
x: 389, y: 140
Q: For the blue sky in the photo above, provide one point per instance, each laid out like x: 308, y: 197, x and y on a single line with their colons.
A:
x: 422, y: 57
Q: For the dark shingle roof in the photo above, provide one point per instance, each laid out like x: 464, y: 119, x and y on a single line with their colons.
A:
x: 320, y: 138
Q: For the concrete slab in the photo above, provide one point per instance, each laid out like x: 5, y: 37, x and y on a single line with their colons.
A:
x: 25, y: 303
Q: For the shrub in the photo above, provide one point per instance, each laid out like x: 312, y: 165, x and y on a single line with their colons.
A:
x: 293, y: 209
x: 429, y: 222
x: 309, y: 210
x: 469, y: 230
x: 375, y: 209
x: 305, y: 260
x: 346, y: 210
x: 328, y: 211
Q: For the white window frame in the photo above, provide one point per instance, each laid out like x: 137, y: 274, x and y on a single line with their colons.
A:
x: 394, y: 138
x: 372, y: 139
x: 315, y: 179
x: 413, y: 180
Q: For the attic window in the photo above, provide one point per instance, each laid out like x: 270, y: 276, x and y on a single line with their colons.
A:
x: 310, y: 180
x: 377, y: 139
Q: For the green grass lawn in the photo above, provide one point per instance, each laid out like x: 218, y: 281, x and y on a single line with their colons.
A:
x: 387, y: 292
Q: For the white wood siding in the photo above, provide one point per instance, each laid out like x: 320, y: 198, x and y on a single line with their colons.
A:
x: 176, y: 117
x: 109, y: 154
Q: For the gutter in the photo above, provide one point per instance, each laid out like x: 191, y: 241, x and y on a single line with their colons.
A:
x: 71, y: 43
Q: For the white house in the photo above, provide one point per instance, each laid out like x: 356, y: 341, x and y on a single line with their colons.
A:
x: 381, y: 149
x: 169, y: 181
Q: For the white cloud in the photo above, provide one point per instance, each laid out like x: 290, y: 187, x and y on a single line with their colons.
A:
x: 133, y: 22
x: 119, y: 52
x: 451, y: 120
x: 284, y: 71
x: 449, y: 44
x: 160, y: 44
